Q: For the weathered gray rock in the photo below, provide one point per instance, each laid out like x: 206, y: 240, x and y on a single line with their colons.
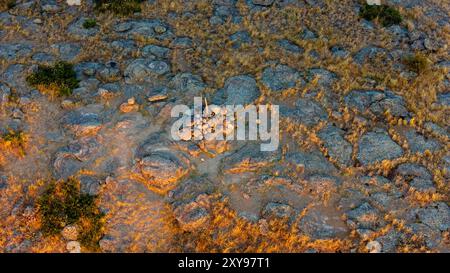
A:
x: 305, y: 111
x: 377, y: 146
x: 12, y: 52
x: 82, y: 123
x: 148, y: 28
x: 325, y: 77
x: 155, y: 51
x: 419, y: 143
x: 89, y: 185
x: 70, y: 159
x: 144, y: 70
x: 108, y: 72
x: 308, y: 35
x: 312, y: 162
x: 187, y: 84
x: 123, y: 47
x: 161, y: 169
x: 43, y: 58
x: 5, y: 92
x: 337, y: 147
x: 368, y: 54
x: 365, y: 217
x: 376, y: 102
x: 339, y: 52
x: 77, y: 30
x: 426, y: 235
x: 281, y: 77
x: 238, y: 39
x: 319, y: 225
x: 436, y: 216
x: 67, y: 51
x: 263, y: 2
x: 238, y: 90
x: 290, y: 46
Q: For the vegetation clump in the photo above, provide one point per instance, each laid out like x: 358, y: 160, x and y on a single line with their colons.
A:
x: 120, y: 7
x: 63, y: 204
x: 385, y: 14
x: 417, y: 63
x: 89, y: 23
x: 59, y: 79
x: 15, y: 140
x: 11, y: 4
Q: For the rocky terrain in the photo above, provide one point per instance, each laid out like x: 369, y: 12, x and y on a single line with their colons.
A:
x: 363, y: 163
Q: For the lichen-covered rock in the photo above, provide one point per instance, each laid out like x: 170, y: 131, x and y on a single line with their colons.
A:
x: 377, y: 146
x: 337, y: 147
x: 281, y: 77
x: 144, y: 70
x: 238, y: 90
x: 376, y: 102
x: 419, y: 143
x: 365, y: 217
x: 324, y: 77
x: 436, y: 216
x: 305, y: 111
x: 148, y: 28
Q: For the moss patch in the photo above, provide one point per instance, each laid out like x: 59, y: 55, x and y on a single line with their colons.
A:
x: 120, y: 7
x: 62, y: 204
x: 385, y: 14
x: 89, y: 23
x: 59, y: 79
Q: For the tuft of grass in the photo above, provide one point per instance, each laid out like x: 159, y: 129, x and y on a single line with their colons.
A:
x: 385, y: 14
x: 417, y: 63
x: 14, y: 139
x: 89, y: 23
x: 62, y: 204
x: 120, y: 7
x: 59, y: 79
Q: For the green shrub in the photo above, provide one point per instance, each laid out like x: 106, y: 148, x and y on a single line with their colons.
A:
x: 417, y: 63
x: 120, y: 7
x: 60, y: 78
x: 89, y: 23
x: 386, y: 15
x: 62, y: 204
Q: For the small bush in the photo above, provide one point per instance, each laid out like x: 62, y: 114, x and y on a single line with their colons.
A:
x: 59, y: 79
x: 14, y: 139
x: 120, y: 7
x: 62, y: 204
x: 89, y: 23
x: 386, y: 15
x: 417, y: 63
